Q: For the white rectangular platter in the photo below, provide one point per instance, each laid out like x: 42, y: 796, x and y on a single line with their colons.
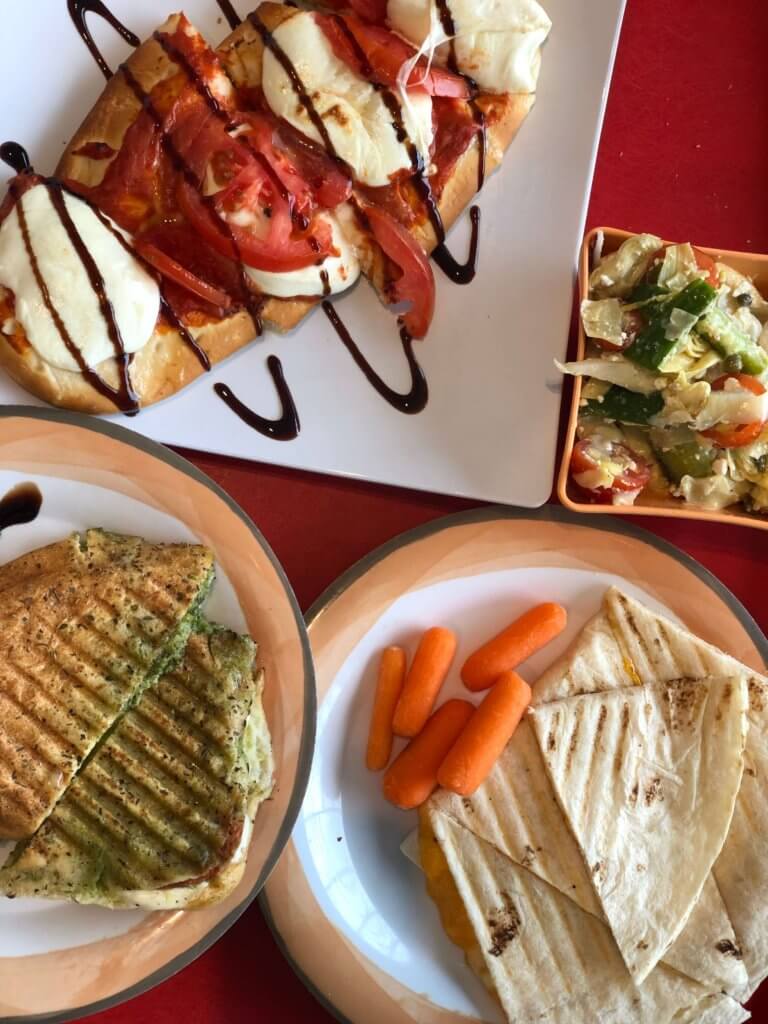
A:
x: 489, y: 430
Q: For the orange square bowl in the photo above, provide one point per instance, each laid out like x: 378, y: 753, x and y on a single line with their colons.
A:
x: 753, y: 266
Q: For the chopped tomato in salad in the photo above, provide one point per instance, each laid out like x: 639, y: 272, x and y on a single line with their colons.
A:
x: 608, y: 472
x: 736, y: 435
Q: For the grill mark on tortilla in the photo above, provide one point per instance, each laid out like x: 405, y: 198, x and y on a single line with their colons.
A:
x: 618, y: 760
x: 574, y: 737
x: 634, y: 794
x: 757, y: 695
x: 727, y: 948
x: 654, y: 791
x: 725, y: 700
x: 633, y: 627
x: 504, y: 924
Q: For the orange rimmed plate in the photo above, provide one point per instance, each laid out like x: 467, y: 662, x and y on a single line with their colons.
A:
x: 754, y: 266
x: 348, y: 909
x: 59, y: 961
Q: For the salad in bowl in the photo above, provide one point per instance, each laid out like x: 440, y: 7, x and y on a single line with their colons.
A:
x: 674, y: 398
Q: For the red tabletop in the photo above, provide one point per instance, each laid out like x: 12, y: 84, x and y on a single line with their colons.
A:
x: 683, y: 154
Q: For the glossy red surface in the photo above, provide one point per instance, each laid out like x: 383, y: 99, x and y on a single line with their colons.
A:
x: 683, y: 154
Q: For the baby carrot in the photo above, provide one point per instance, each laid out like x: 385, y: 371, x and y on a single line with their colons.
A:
x: 422, y: 684
x: 469, y: 761
x: 412, y: 776
x: 513, y: 645
x: 388, y: 688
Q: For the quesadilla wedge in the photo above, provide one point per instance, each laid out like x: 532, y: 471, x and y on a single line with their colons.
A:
x: 76, y: 649
x: 160, y: 817
x: 516, y: 811
x: 653, y: 649
x: 648, y: 778
x: 542, y: 956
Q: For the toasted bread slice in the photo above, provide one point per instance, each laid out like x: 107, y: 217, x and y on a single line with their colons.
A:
x: 160, y: 816
x: 77, y: 647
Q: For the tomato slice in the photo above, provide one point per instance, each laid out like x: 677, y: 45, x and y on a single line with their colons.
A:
x: 330, y: 185
x: 176, y: 272
x: 634, y: 477
x: 186, y: 247
x: 416, y: 283
x: 632, y: 323
x: 743, y: 380
x: 736, y: 435
x: 377, y: 54
x: 703, y: 262
x: 370, y: 10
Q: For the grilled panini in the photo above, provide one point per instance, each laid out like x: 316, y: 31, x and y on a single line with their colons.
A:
x: 160, y: 816
x: 86, y: 626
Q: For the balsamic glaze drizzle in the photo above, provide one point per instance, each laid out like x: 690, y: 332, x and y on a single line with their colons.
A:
x: 20, y: 505
x: 229, y: 13
x: 16, y: 157
x: 128, y: 399
x: 460, y: 273
x: 449, y: 27
x: 413, y: 401
x: 77, y: 12
x: 298, y: 86
x: 286, y: 427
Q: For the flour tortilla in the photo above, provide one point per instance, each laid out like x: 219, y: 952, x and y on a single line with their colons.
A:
x: 649, y: 648
x: 516, y: 811
x: 648, y: 779
x: 544, y: 957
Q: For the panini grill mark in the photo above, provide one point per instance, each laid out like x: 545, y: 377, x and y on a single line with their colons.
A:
x: 161, y: 785
x: 130, y: 817
x: 162, y: 746
x: 173, y: 768
x: 197, y: 746
x: 195, y: 706
x: 77, y: 684
x: 35, y: 727
x: 86, y: 830
x: 26, y: 761
x: 76, y: 710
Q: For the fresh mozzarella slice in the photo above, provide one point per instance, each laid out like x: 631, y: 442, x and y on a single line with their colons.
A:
x: 497, y: 42
x: 342, y: 271
x: 356, y: 117
x: 134, y: 294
